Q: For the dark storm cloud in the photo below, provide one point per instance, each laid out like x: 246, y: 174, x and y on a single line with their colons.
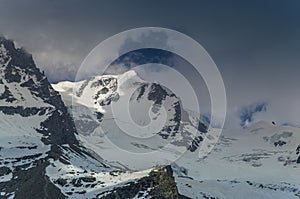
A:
x: 255, y: 44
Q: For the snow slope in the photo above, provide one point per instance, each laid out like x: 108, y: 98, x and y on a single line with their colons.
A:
x: 260, y: 161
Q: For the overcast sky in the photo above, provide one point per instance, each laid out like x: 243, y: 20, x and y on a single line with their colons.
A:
x: 255, y: 44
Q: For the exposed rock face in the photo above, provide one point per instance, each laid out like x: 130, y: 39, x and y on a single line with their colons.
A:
x: 177, y: 117
x: 32, y: 183
x: 297, y: 153
x: 19, y: 70
x: 159, y: 184
x: 26, y: 93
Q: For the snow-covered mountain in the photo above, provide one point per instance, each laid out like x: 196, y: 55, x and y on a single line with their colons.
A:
x: 40, y: 156
x: 47, y: 153
x: 124, y: 111
x: 260, y: 161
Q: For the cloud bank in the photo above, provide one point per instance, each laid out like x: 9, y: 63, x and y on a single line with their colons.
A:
x: 255, y: 45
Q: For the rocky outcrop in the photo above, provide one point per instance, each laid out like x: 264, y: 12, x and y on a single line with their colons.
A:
x: 19, y: 68
x: 32, y: 183
x: 298, y: 153
x: 159, y: 184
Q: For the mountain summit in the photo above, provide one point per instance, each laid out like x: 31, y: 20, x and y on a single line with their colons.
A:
x: 34, y: 122
x: 27, y: 92
x: 137, y: 116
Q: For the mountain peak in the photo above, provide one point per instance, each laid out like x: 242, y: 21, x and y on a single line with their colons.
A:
x: 3, y: 40
x: 25, y: 91
x: 128, y: 74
